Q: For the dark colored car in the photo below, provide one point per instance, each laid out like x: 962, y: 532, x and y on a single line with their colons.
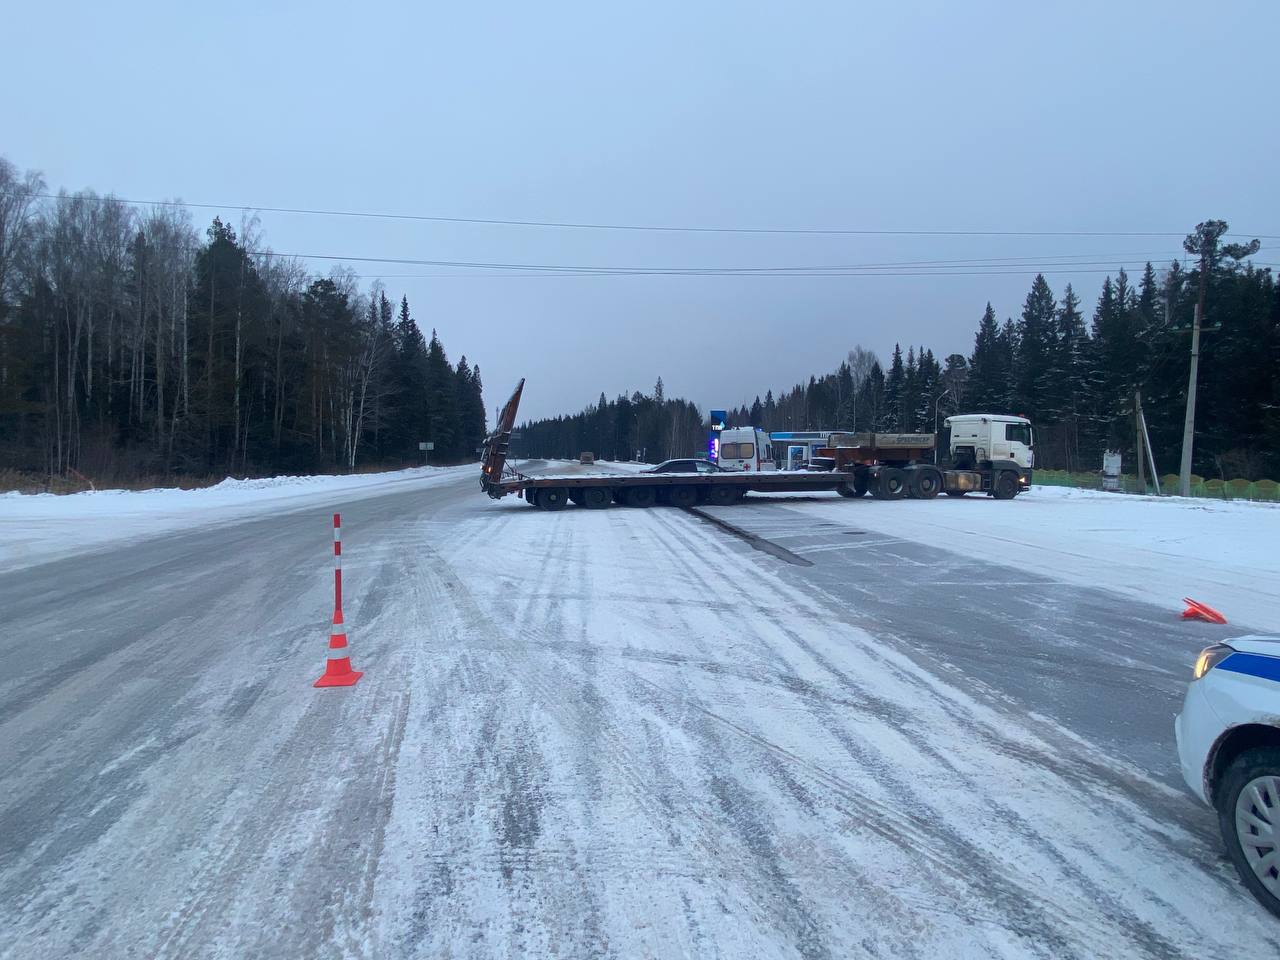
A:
x: 686, y: 466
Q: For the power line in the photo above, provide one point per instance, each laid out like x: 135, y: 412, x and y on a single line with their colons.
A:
x: 993, y: 266
x: 653, y: 228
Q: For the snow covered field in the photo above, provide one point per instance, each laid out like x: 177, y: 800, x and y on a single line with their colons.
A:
x: 35, y: 528
x: 1156, y: 549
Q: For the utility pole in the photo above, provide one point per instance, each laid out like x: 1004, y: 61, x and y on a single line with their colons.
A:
x: 1137, y: 441
x: 1204, y: 242
x: 1189, y: 424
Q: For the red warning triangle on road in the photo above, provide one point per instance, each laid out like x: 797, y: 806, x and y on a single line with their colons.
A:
x: 1199, y: 611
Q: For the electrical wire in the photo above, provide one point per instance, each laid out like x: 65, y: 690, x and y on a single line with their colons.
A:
x: 571, y: 225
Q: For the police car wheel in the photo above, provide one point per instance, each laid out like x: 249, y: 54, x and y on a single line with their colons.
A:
x: 1249, y: 815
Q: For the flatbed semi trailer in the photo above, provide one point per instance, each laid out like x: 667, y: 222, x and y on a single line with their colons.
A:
x: 888, y: 466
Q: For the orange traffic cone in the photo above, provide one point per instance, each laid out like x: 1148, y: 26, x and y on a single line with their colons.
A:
x: 338, y: 672
x: 1199, y: 611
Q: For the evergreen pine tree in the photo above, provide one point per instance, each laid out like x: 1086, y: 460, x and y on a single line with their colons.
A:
x: 894, y: 385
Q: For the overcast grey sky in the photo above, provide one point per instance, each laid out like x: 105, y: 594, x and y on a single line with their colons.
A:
x: 906, y: 116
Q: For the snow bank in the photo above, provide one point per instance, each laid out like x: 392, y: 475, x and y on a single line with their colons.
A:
x: 36, y: 528
x: 1157, y: 549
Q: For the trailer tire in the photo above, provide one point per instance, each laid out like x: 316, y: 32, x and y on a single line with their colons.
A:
x: 553, y: 498
x: 640, y: 497
x: 926, y: 483
x: 596, y: 498
x: 721, y: 495
x: 891, y: 484
x: 1005, y: 485
x: 683, y: 496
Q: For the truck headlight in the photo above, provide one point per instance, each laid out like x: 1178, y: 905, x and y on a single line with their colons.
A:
x: 1209, y: 658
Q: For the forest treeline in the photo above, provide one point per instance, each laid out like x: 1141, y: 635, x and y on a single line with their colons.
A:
x: 1076, y: 378
x: 132, y: 344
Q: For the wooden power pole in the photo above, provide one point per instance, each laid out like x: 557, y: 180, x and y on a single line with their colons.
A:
x: 1204, y: 242
x: 1189, y: 424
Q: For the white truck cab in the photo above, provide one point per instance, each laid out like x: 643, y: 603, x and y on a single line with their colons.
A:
x: 980, y: 439
x: 745, y: 448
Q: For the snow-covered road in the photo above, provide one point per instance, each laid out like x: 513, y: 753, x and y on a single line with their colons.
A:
x: 588, y: 733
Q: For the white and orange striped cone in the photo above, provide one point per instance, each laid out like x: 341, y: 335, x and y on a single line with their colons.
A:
x: 338, y: 672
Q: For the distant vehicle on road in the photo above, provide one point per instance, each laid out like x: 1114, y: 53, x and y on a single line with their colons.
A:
x: 746, y: 449
x: 586, y: 457
x: 691, y: 465
x: 820, y: 463
x: 889, y: 466
x: 1229, y: 747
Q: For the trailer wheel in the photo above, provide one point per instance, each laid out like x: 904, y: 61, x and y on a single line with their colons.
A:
x: 1005, y: 486
x: 683, y: 496
x: 553, y: 498
x: 891, y: 484
x: 596, y: 498
x: 926, y: 483
x: 856, y: 488
x: 640, y: 497
x: 721, y: 495
x: 531, y: 497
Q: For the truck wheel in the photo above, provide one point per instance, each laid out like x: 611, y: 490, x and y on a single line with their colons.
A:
x: 721, y: 495
x: 857, y: 487
x: 891, y: 484
x: 596, y: 498
x: 1249, y: 814
x: 1005, y: 486
x: 684, y: 496
x: 640, y: 497
x: 553, y: 498
x: 926, y: 483
x: 531, y: 497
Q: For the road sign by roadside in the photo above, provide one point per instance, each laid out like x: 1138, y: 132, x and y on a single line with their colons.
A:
x: 426, y: 445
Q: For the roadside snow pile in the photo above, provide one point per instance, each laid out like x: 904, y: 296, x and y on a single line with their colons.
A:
x: 1157, y: 549
x: 36, y: 528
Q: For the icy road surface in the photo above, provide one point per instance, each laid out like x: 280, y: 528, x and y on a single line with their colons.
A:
x: 594, y: 734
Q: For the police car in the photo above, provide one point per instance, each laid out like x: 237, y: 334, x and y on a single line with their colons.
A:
x: 1229, y: 746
